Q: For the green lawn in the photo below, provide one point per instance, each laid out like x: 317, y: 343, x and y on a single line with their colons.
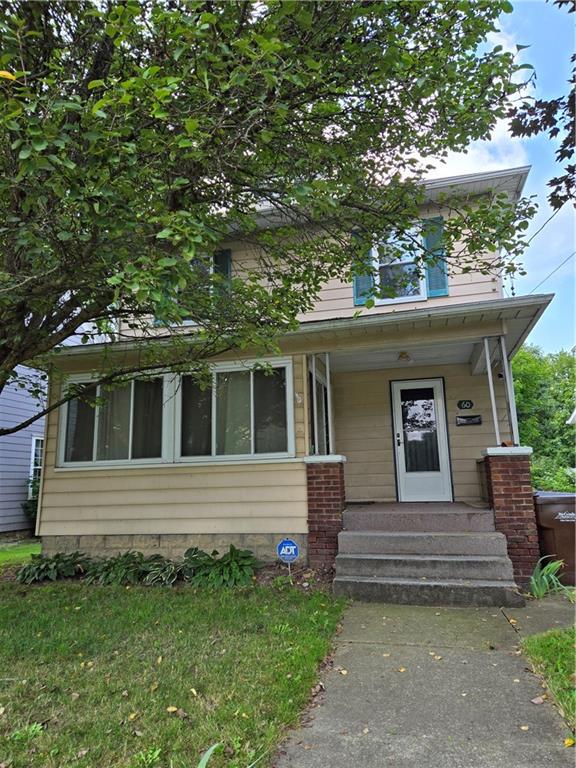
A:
x: 98, y: 667
x: 553, y: 656
x: 18, y: 553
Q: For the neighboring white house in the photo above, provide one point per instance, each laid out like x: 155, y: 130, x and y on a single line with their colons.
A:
x: 20, y: 455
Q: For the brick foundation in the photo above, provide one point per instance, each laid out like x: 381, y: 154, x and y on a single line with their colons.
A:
x: 172, y: 545
x: 509, y: 486
x: 325, y: 506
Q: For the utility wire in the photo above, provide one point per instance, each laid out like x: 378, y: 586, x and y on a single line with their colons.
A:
x: 553, y: 271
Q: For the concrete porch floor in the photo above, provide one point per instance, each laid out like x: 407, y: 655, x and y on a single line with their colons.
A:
x: 414, y: 506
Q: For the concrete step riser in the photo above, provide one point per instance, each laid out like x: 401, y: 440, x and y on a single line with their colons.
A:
x: 419, y: 522
x: 358, y: 543
x: 494, y: 569
x: 422, y: 594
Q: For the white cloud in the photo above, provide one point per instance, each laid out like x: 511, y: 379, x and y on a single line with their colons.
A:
x: 501, y: 151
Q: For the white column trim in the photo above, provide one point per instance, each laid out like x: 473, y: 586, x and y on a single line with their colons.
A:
x: 509, y: 381
x: 491, y: 388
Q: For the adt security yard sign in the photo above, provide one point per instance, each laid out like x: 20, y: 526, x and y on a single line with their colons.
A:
x: 288, y: 551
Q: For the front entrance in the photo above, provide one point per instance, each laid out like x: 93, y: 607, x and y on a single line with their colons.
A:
x: 421, y: 441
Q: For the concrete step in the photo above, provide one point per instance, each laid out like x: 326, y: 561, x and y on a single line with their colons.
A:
x: 426, y: 567
x: 412, y: 543
x: 469, y: 592
x: 419, y: 519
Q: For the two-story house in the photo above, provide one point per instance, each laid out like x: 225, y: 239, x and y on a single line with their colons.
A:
x: 386, y: 438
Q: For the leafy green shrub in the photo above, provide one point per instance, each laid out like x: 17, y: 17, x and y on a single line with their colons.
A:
x: 59, y: 566
x: 163, y: 572
x: 548, y: 474
x: 126, y: 568
x: 234, y: 569
x: 30, y: 506
x: 545, y: 579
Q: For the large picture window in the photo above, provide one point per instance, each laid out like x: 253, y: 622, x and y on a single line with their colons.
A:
x: 126, y: 423
x: 246, y: 412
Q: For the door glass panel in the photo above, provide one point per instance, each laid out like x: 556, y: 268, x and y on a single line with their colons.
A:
x: 420, y: 430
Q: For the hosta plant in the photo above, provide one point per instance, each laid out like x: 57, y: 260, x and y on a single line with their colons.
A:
x: 235, y: 568
x: 59, y: 566
x: 125, y: 568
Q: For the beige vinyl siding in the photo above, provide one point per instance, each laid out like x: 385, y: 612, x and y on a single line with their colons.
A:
x: 250, y: 498
x: 247, y: 497
x: 336, y: 299
x: 364, y: 433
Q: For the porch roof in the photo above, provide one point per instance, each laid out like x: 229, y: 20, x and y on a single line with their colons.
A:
x: 444, y: 334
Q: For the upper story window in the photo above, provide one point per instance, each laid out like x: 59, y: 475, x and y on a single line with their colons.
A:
x: 396, y: 278
x: 219, y: 264
x: 245, y: 413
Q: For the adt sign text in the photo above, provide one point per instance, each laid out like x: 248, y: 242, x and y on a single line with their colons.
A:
x: 288, y: 551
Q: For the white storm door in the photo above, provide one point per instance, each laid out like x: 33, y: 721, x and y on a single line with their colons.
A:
x: 421, y: 441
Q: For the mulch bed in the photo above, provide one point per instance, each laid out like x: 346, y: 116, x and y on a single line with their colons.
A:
x: 303, y: 577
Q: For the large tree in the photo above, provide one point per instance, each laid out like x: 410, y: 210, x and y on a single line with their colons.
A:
x: 545, y: 385
x: 557, y: 118
x: 137, y: 136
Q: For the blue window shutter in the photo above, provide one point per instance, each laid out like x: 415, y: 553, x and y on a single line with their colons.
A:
x: 363, y: 289
x: 436, y: 273
x: 363, y: 286
x: 223, y: 263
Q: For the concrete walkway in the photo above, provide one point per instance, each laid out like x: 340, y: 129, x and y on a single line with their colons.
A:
x: 425, y: 687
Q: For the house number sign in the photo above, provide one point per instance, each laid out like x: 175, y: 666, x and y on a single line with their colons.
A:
x: 465, y: 405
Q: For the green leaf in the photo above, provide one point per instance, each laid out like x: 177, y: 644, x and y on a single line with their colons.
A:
x: 191, y: 125
x: 25, y: 152
x: 39, y: 144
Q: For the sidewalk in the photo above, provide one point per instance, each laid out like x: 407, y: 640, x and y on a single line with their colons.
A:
x: 426, y: 687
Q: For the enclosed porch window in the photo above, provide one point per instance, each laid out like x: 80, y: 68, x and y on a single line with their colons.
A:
x: 245, y: 412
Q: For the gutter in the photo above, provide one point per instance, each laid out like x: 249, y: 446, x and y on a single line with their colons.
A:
x: 312, y: 327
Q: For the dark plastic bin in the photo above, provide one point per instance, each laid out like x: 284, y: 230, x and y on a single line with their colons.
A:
x: 556, y: 519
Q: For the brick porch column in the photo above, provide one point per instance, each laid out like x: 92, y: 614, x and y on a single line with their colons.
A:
x: 510, y: 493
x: 326, y: 497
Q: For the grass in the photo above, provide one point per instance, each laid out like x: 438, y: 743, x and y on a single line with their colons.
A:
x: 553, y: 656
x: 18, y: 553
x: 88, y: 673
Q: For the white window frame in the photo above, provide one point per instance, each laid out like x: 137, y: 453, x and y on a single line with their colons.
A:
x: 172, y: 425
x: 35, y: 440
x: 214, y: 457
x: 422, y: 296
x: 63, y: 420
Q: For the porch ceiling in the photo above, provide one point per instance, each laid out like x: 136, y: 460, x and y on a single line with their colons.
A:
x: 443, y: 335
x: 378, y: 358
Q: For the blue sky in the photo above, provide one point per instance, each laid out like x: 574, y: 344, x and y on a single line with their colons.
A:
x: 548, y: 31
